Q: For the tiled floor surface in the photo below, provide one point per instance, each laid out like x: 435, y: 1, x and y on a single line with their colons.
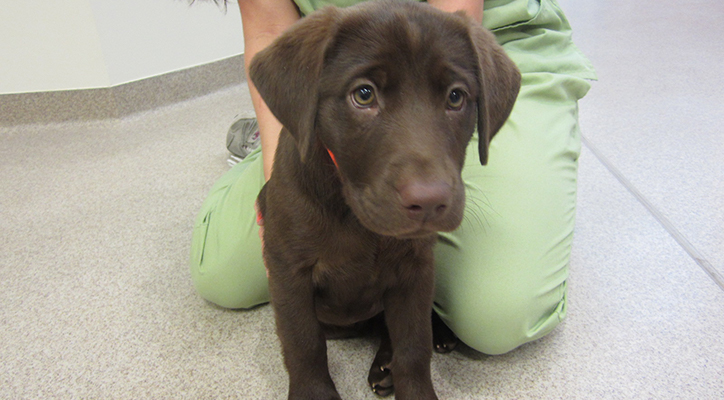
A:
x: 95, y: 222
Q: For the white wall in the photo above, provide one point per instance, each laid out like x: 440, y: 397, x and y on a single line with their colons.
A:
x: 48, y: 45
x: 142, y: 38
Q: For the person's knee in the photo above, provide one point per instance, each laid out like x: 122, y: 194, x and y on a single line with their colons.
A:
x: 229, y: 290
x: 494, y: 330
x: 498, y: 327
x: 227, y: 268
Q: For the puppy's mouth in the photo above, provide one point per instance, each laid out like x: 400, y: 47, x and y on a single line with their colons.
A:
x: 410, y: 230
x: 418, y: 230
x: 418, y: 233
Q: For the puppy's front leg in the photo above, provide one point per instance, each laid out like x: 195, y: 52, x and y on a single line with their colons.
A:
x: 407, y: 313
x: 303, y: 342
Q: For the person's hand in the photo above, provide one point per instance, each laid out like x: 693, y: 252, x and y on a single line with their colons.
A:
x: 473, y: 8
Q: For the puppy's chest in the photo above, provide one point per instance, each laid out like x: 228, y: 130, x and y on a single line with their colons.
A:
x: 350, y: 283
x: 353, y: 269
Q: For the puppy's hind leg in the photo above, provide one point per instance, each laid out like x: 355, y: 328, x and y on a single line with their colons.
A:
x: 380, y: 376
x: 443, y: 338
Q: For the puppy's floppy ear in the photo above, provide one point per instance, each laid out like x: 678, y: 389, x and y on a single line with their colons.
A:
x: 499, y: 81
x: 286, y: 73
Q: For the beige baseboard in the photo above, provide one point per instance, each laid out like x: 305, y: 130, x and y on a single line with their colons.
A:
x: 122, y: 100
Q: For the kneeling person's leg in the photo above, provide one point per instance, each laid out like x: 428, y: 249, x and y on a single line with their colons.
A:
x: 226, y: 259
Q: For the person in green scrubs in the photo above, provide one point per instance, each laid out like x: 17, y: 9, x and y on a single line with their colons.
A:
x: 501, y: 276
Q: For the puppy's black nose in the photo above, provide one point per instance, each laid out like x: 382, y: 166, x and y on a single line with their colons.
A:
x: 425, y: 201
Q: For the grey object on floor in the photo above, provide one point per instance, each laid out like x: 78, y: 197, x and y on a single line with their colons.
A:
x: 242, y: 139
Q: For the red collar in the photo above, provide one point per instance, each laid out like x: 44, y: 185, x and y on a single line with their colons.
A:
x: 334, y: 160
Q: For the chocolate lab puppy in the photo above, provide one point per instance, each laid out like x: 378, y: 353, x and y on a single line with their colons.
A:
x: 378, y: 103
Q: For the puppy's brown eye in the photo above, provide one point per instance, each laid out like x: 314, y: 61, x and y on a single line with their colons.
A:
x: 364, y: 96
x: 455, y: 99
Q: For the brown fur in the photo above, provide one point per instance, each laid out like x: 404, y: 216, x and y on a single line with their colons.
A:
x: 345, y: 243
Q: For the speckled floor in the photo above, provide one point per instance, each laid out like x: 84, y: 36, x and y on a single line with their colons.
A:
x: 96, y: 219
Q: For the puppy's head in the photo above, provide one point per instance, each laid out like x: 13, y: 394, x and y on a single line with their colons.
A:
x: 394, y: 91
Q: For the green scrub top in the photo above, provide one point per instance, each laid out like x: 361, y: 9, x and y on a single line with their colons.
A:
x: 535, y: 33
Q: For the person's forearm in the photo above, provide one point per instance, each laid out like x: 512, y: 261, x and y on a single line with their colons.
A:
x: 269, y: 129
x: 263, y: 21
x: 473, y: 8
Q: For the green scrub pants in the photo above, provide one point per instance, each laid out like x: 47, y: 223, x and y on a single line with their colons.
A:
x: 501, y: 276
